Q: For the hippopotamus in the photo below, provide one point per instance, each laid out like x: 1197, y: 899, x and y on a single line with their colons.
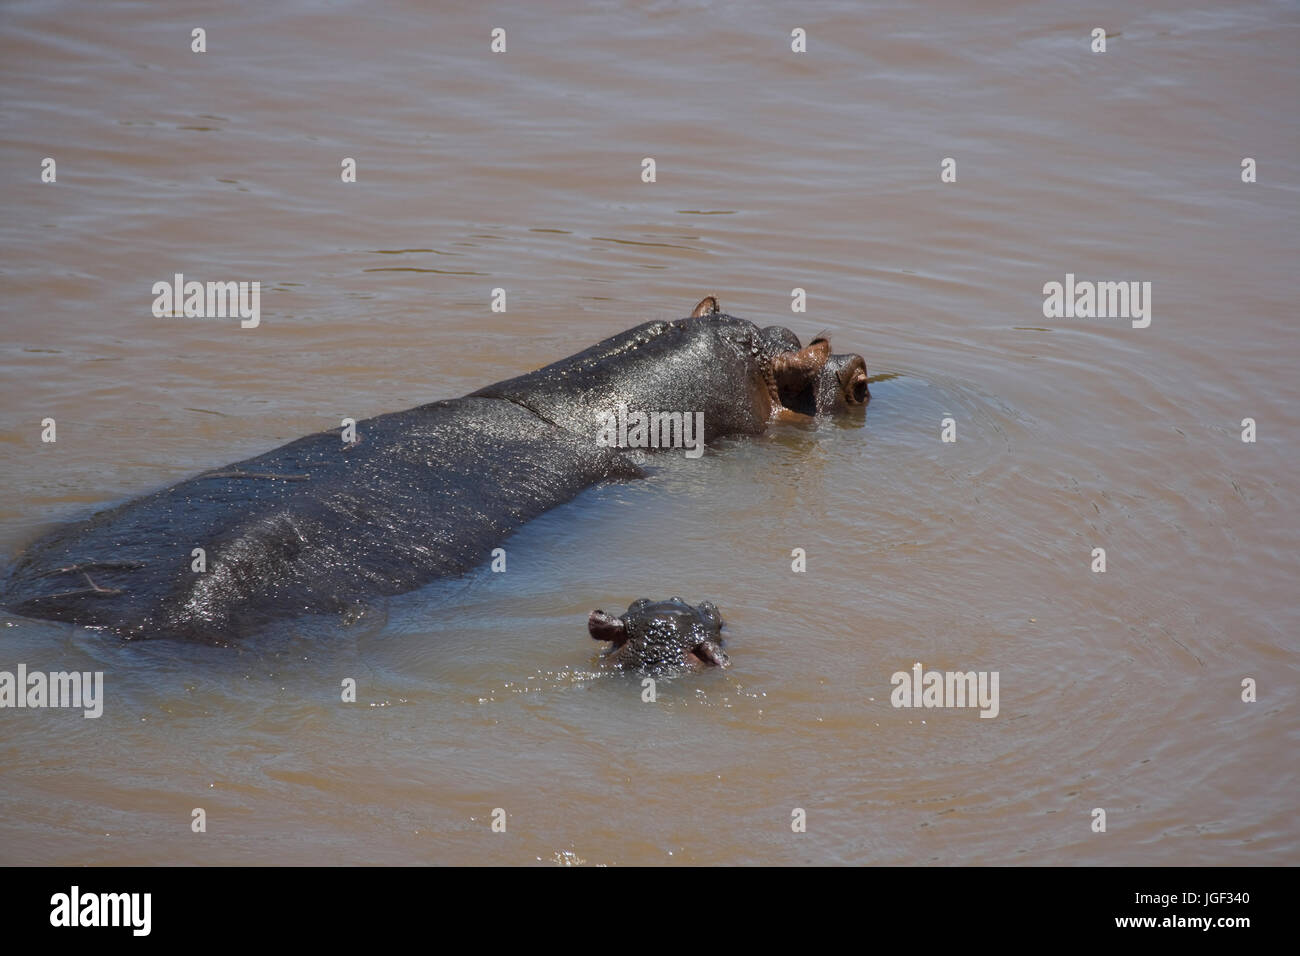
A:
x: 321, y: 525
x: 661, y: 636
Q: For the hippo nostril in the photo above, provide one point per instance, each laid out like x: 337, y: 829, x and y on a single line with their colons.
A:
x: 858, y: 390
x: 710, y: 653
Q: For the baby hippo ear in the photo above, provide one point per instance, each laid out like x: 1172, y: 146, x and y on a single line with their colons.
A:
x: 708, y: 306
x: 709, y: 611
x: 606, y: 627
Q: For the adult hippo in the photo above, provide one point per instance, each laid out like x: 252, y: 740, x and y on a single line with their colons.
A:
x: 320, y: 525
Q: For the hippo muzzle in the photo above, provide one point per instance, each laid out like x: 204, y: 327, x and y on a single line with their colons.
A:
x: 842, y: 384
x: 812, y: 380
x: 658, y: 636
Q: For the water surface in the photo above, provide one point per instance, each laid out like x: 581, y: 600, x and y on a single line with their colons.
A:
x: 774, y: 171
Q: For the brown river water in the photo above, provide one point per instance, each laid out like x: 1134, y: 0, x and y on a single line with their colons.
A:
x: 775, y: 170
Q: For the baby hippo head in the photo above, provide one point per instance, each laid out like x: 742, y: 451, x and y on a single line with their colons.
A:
x: 656, y: 636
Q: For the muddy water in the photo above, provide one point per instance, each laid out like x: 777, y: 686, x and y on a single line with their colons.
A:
x: 1118, y: 690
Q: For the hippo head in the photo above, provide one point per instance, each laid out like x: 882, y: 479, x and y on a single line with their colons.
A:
x: 658, y: 636
x: 812, y: 380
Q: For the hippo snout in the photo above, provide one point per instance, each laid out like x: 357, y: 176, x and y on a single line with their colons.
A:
x: 814, y: 380
x: 843, y: 383
x: 658, y: 636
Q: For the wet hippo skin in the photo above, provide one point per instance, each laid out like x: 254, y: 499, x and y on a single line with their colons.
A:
x: 318, y: 526
x: 656, y: 637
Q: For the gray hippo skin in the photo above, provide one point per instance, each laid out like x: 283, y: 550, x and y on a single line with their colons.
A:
x: 320, y: 526
x: 656, y: 637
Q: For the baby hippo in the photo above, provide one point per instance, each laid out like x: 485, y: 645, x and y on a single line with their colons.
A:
x: 658, y: 636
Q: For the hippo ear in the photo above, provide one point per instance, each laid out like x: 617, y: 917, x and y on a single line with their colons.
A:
x: 709, y: 611
x: 708, y: 306
x: 606, y: 627
x: 793, y: 367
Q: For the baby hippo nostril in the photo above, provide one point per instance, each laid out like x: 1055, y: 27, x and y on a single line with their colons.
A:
x: 711, y: 653
x: 661, y: 636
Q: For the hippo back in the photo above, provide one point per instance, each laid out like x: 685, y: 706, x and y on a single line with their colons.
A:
x: 712, y: 364
x: 314, y: 526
